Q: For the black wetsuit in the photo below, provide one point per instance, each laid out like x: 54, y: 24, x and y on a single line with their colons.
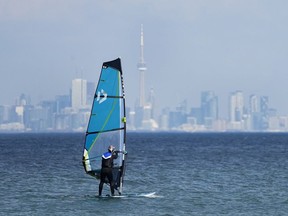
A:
x: 106, y: 171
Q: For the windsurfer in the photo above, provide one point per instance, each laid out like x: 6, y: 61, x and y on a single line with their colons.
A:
x: 107, y: 168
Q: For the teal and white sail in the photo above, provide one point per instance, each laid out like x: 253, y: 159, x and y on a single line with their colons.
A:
x: 107, y: 123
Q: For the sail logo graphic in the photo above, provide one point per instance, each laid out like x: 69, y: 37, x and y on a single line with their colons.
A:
x: 102, y: 95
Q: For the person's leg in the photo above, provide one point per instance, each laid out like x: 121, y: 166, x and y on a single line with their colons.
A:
x: 103, y: 175
x: 100, y: 188
x: 111, y: 182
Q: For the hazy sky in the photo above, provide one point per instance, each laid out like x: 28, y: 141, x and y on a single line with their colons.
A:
x: 190, y: 46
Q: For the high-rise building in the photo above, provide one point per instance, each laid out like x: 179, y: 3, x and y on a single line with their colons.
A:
x: 254, y: 112
x: 79, y: 93
x: 90, y: 92
x: 264, y: 110
x: 178, y: 117
x: 23, y: 100
x: 62, y: 101
x: 196, y: 113
x: 236, y: 106
x: 264, y: 104
x: 209, y: 107
x: 151, y: 102
x: 253, y: 104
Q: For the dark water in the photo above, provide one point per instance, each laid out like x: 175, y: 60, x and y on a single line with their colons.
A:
x: 193, y: 174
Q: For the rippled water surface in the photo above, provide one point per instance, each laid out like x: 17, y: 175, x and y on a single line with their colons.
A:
x: 192, y: 174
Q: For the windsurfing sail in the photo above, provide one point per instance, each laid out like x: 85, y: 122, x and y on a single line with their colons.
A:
x: 107, y: 123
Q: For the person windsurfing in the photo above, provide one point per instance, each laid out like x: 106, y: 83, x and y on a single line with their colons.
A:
x: 107, y: 168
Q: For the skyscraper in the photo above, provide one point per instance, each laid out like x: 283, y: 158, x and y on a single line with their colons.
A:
x: 264, y: 110
x: 142, y: 68
x: 209, y: 106
x: 253, y: 104
x: 91, y: 86
x: 79, y: 93
x: 254, y: 112
x: 151, y: 101
x: 264, y: 104
x: 236, y: 106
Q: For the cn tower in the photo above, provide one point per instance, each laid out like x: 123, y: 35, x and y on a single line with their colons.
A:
x: 142, y: 68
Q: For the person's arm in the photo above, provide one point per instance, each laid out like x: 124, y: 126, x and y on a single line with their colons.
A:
x: 121, y: 152
x: 115, y: 154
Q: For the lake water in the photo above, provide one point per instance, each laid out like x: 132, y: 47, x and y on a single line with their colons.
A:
x: 192, y: 174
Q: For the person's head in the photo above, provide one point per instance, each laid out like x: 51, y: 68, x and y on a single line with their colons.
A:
x: 111, y: 148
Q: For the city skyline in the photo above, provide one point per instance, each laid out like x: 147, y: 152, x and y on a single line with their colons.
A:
x: 80, y: 100
x: 190, y: 46
x: 71, y: 113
